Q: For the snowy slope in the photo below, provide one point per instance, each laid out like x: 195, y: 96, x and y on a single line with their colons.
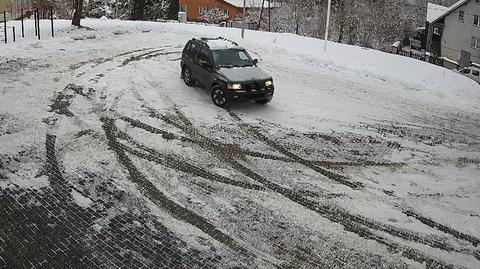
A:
x: 355, y: 141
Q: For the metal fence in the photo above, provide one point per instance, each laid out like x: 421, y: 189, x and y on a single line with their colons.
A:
x: 3, y: 27
x: 37, y: 13
x: 422, y: 56
x: 419, y: 55
x: 248, y: 25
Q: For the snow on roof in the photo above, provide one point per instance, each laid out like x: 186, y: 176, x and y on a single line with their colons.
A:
x: 249, y: 3
x: 434, y: 11
x: 450, y: 9
x: 219, y: 44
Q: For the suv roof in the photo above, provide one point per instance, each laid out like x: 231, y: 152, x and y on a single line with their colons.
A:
x: 219, y: 43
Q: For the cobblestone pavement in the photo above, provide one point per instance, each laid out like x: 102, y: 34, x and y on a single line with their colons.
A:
x: 46, y: 228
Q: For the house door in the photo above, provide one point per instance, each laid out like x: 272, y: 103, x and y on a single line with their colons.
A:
x: 184, y: 8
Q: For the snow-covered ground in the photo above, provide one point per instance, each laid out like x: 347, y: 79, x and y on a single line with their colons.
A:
x: 363, y: 159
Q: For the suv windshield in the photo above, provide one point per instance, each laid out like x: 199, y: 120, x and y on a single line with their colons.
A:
x: 232, y: 58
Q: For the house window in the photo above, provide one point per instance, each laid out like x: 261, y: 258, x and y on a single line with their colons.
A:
x: 461, y: 15
x: 476, y: 20
x: 475, y: 42
x: 183, y: 8
x: 203, y: 10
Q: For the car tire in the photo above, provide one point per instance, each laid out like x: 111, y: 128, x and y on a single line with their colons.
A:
x: 264, y: 101
x: 188, y: 77
x: 218, y: 97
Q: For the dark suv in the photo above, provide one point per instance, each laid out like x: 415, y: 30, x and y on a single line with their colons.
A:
x: 227, y: 69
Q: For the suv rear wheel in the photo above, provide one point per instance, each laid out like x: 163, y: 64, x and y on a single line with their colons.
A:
x: 218, y: 97
x: 187, y: 76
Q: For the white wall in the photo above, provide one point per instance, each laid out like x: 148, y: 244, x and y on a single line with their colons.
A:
x: 457, y: 36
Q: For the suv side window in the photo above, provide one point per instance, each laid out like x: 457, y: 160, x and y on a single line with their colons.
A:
x: 203, y: 54
x: 192, y: 47
x: 475, y: 73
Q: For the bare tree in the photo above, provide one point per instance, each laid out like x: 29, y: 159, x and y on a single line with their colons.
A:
x: 77, y: 15
x: 137, y: 11
x: 370, y: 23
x: 214, y: 15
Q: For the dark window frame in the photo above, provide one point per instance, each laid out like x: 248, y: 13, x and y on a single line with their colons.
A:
x: 461, y: 15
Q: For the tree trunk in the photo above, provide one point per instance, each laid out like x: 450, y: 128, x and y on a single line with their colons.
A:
x: 77, y: 15
x: 172, y: 11
x: 340, y: 32
x: 138, y: 10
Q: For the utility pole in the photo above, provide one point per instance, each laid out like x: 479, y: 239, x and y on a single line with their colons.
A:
x: 328, y: 24
x: 269, y: 15
x: 261, y: 14
x: 243, y: 18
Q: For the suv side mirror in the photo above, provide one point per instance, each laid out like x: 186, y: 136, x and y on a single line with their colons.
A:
x: 255, y: 61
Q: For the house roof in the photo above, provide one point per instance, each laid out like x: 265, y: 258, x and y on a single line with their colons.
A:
x: 434, y: 11
x: 450, y: 10
x: 249, y: 3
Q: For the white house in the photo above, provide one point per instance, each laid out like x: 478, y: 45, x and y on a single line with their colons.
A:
x: 454, y: 29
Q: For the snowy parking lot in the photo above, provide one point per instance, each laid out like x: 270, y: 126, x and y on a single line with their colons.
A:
x: 107, y: 159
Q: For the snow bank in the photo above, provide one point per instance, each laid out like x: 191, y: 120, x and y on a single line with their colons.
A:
x: 413, y: 79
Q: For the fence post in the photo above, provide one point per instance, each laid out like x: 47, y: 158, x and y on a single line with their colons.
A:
x: 23, y: 28
x: 5, y: 25
x: 35, y: 19
x: 51, y: 19
x: 38, y: 18
x: 13, y: 30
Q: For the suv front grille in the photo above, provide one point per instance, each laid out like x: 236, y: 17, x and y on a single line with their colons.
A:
x: 258, y: 85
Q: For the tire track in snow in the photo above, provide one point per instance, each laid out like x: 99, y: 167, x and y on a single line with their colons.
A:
x: 227, y: 149
x: 98, y: 61
x: 148, y: 55
x: 324, y: 172
x: 333, y: 164
x: 223, y: 148
x: 353, y: 223
x: 429, y: 222
x: 176, y: 163
x: 52, y: 170
x: 161, y: 200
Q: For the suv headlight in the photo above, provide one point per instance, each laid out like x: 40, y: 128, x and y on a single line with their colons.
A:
x: 234, y: 86
x: 268, y: 83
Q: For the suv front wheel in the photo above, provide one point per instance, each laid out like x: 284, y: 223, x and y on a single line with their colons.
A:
x: 264, y: 101
x: 218, y: 97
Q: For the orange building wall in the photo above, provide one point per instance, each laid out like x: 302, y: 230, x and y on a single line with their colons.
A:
x: 193, y: 8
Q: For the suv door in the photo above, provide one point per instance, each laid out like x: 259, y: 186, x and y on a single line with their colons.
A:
x: 188, y: 52
x: 202, y: 66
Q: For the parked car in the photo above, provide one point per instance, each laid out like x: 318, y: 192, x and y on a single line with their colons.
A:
x: 227, y: 70
x: 471, y: 72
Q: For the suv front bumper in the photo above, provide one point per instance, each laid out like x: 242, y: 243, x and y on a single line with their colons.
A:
x: 250, y: 95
